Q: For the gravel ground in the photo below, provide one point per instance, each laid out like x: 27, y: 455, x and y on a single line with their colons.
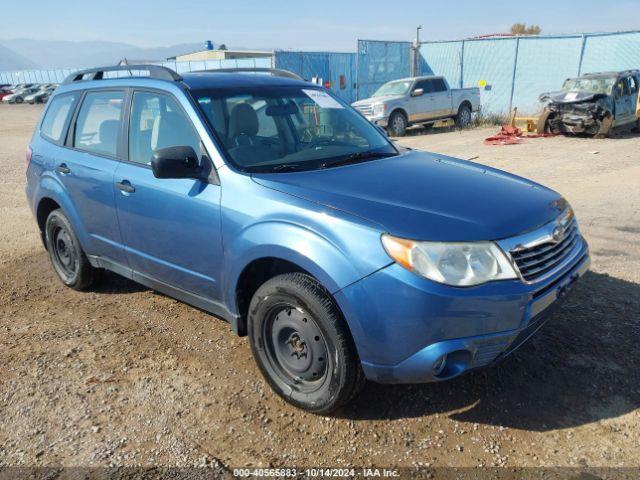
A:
x: 123, y: 376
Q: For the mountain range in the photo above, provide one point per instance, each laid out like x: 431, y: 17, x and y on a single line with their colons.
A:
x: 23, y: 53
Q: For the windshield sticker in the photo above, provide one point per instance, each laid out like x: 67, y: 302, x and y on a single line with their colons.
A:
x: 323, y: 99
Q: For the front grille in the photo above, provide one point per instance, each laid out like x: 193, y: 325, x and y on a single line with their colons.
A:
x: 534, y: 262
x: 366, y: 110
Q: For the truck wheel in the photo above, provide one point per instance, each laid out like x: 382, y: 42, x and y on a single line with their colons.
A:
x: 463, y: 119
x: 398, y: 124
x: 68, y: 259
x: 302, y: 344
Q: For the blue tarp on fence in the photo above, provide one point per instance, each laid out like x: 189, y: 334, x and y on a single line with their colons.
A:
x: 517, y: 69
x: 58, y: 75
x: 336, y: 68
x: 380, y: 62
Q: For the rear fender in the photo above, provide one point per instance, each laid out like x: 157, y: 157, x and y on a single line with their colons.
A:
x: 52, y: 188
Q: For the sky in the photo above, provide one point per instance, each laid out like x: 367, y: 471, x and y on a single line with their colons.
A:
x: 304, y: 25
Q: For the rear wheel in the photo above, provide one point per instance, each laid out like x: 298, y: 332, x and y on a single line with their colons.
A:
x: 463, y: 119
x: 19, y: 100
x: 398, y: 124
x: 68, y: 259
x: 302, y: 345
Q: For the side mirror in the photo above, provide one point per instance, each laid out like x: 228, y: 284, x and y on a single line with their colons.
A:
x: 418, y: 92
x: 175, y: 162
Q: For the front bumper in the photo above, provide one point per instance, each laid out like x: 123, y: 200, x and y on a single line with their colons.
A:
x: 380, y: 121
x: 403, y: 325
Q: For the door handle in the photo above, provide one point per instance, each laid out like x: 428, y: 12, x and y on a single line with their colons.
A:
x: 62, y: 168
x: 125, y: 186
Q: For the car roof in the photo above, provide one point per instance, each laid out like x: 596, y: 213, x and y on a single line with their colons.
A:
x: 193, y: 80
x: 609, y: 74
x: 204, y: 80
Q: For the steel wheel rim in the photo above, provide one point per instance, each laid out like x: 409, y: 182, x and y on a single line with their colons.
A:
x: 64, y: 252
x: 465, y: 117
x: 296, y: 348
x: 398, y: 124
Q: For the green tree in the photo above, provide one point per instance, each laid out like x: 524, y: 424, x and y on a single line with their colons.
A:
x: 523, y: 29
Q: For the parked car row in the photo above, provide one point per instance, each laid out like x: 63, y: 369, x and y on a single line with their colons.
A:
x: 27, y: 92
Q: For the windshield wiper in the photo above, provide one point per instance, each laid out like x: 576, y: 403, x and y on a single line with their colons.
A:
x: 287, y: 167
x: 358, y: 157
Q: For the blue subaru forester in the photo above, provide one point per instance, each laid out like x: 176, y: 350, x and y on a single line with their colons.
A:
x: 269, y: 202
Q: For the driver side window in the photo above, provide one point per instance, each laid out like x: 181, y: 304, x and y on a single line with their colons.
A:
x: 158, y: 122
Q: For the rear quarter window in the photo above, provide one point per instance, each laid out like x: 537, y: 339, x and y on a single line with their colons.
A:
x: 55, y: 119
x: 439, y: 85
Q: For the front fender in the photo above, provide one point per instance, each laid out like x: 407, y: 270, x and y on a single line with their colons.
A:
x: 294, y: 243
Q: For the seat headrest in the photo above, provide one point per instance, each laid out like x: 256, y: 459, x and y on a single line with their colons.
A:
x: 243, y: 121
x: 108, y: 132
x: 170, y: 130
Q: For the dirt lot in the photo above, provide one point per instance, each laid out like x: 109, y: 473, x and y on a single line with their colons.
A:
x: 125, y: 376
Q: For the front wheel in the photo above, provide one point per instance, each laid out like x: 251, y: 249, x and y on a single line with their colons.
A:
x: 302, y: 344
x: 68, y: 259
x: 398, y: 124
x: 463, y: 119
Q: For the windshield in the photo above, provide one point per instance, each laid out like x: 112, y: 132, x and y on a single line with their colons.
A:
x: 394, y: 88
x: 268, y: 129
x: 593, y: 85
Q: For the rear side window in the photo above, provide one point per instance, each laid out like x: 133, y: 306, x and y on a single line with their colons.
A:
x: 438, y: 85
x: 99, y: 122
x: 56, y: 117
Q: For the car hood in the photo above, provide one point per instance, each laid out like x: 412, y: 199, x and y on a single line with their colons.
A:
x: 571, y: 97
x: 425, y: 196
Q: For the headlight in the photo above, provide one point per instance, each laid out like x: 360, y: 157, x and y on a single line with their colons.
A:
x: 457, y: 264
x: 379, y: 109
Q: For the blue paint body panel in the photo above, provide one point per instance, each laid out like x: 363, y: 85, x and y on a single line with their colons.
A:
x: 197, y: 237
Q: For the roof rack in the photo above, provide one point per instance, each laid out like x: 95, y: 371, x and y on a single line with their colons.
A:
x: 276, y: 72
x: 155, y: 71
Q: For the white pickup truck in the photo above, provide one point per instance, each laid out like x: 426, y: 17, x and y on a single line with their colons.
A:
x: 418, y: 100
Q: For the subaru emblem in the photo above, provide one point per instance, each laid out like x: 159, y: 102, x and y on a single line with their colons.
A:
x: 558, y: 234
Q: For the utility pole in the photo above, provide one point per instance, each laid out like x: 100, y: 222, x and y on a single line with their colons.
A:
x: 415, y: 61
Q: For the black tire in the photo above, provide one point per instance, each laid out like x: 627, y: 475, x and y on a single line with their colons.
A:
x: 19, y: 100
x: 463, y: 118
x: 68, y: 259
x: 302, y: 344
x: 398, y: 124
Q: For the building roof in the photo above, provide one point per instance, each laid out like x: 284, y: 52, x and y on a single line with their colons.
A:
x: 226, y: 52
